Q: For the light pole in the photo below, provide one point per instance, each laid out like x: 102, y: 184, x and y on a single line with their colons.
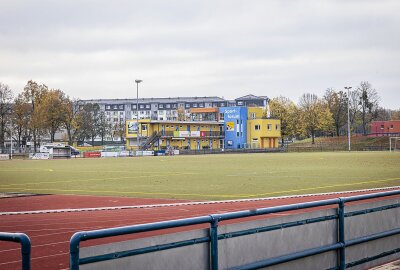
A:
x: 348, y: 115
x: 137, y: 111
x: 11, y: 134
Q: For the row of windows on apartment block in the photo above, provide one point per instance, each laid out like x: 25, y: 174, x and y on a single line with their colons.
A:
x: 144, y: 113
x: 121, y: 107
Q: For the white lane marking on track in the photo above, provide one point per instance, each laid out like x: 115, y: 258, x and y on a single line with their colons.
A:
x: 188, y: 203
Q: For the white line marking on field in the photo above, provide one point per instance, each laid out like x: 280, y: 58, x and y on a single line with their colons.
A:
x: 187, y: 203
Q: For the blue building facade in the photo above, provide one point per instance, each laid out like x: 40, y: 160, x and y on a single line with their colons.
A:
x: 235, y: 126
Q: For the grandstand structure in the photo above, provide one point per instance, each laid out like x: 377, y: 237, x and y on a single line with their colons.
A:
x: 206, y: 128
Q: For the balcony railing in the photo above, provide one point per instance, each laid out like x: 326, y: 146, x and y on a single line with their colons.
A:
x: 193, y: 134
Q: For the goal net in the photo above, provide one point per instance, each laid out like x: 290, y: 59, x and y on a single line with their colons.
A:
x: 394, y: 144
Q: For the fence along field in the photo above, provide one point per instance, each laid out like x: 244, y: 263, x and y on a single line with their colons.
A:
x: 209, y: 177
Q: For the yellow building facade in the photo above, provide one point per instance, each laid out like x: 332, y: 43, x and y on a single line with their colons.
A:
x: 262, y: 132
x: 194, y: 135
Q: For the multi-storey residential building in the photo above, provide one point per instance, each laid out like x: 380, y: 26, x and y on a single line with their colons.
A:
x: 154, y: 108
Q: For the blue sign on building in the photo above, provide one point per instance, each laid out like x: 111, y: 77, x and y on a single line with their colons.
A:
x: 235, y: 126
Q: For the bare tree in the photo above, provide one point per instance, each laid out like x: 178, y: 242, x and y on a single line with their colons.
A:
x: 6, y: 98
x: 368, y: 101
x: 315, y: 115
x: 337, y: 103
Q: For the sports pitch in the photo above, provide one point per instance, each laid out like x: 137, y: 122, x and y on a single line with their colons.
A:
x: 205, y: 177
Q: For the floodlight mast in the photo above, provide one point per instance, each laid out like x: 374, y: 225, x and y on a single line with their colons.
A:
x: 348, y: 115
x: 137, y: 112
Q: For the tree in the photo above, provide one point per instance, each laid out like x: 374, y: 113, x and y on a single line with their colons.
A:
x: 354, y: 109
x: 315, y: 115
x: 119, y: 130
x: 70, y: 119
x: 337, y: 104
x: 368, y: 101
x: 21, y: 118
x: 52, y: 111
x: 103, y: 126
x: 395, y: 115
x: 6, y: 98
x: 87, y: 122
x: 33, y: 93
x: 285, y: 110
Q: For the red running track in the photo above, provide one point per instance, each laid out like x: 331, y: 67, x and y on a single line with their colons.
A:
x: 50, y: 233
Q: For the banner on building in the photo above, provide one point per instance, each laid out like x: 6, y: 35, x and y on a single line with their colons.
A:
x: 230, y: 126
x: 195, y: 134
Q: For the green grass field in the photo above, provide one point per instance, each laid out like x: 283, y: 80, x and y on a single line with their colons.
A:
x: 206, y: 177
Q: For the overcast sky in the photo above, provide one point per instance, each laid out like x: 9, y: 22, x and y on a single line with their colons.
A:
x: 96, y: 49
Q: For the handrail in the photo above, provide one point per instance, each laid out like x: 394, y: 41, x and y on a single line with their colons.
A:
x: 25, y: 246
x: 214, y: 219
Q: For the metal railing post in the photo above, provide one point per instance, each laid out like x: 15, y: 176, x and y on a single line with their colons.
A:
x: 25, y: 242
x: 74, y: 251
x: 341, y: 234
x: 25, y: 252
x: 214, y: 242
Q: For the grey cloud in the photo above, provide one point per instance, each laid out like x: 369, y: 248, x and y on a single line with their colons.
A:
x: 95, y: 49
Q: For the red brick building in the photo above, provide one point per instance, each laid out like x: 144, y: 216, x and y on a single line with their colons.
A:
x: 385, y: 128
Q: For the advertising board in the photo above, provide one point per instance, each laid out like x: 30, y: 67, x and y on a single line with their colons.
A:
x: 92, y: 154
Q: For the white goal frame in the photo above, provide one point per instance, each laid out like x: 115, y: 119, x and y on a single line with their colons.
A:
x: 395, y: 143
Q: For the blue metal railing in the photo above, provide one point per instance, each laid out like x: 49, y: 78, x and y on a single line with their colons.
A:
x: 25, y: 246
x: 213, y: 221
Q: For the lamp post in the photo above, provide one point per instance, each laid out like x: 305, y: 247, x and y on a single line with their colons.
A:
x: 137, y: 111
x: 348, y: 115
x: 11, y: 134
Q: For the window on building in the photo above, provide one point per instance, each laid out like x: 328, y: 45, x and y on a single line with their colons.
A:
x: 201, y: 105
x: 108, y: 107
x: 237, y: 121
x: 391, y: 126
x: 257, y: 127
x: 121, y: 107
x: 187, y: 105
x: 115, y: 107
x: 222, y: 104
x: 168, y: 106
x: 237, y: 134
x: 115, y: 119
x: 240, y: 103
x: 221, y: 116
x: 277, y: 127
x: 121, y: 113
x: 382, y: 126
x: 108, y: 113
x: 269, y: 127
x: 144, y: 127
x: 141, y: 106
x: 147, y: 106
x: 253, y: 115
x: 133, y: 106
x: 194, y: 105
